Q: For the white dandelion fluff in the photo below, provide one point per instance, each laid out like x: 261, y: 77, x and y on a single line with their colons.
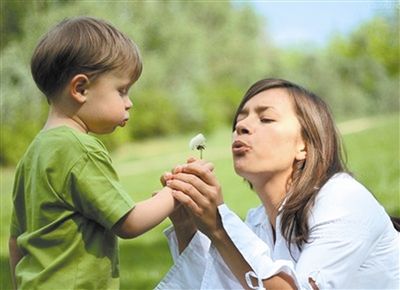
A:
x: 198, y: 142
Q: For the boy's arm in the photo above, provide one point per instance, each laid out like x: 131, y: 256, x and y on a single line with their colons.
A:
x: 146, y: 215
x: 15, y: 256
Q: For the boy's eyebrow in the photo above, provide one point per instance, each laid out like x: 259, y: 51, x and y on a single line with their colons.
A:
x: 127, y: 83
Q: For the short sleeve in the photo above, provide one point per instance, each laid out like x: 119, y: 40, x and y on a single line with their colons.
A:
x: 14, y: 226
x: 96, y: 191
x: 17, y: 224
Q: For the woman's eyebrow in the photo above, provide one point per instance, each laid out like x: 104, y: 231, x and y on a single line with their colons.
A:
x: 243, y: 111
x: 258, y: 109
x: 261, y: 108
x: 270, y: 110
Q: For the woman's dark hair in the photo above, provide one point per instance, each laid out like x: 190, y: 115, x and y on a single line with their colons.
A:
x: 324, y: 155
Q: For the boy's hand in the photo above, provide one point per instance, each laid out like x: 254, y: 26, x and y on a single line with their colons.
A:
x: 165, y: 177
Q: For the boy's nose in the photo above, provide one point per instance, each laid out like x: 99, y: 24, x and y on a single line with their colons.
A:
x: 128, y: 103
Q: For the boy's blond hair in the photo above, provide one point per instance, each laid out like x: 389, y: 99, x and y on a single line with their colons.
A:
x: 82, y: 45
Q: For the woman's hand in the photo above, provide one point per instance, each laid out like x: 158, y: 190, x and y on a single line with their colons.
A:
x: 197, y: 189
x: 180, y: 214
x: 195, y: 186
x: 179, y: 217
x: 184, y: 226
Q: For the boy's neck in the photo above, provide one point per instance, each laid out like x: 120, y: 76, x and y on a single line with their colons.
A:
x: 58, y: 118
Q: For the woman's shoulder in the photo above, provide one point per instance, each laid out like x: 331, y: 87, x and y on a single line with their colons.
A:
x: 342, y: 196
x: 343, y: 188
x: 256, y: 216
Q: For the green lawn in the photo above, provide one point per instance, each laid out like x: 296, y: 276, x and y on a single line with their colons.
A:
x: 373, y: 157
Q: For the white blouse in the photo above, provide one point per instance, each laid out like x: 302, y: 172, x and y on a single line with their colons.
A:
x: 352, y: 245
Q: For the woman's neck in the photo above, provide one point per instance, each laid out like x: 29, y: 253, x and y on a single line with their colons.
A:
x: 272, y: 191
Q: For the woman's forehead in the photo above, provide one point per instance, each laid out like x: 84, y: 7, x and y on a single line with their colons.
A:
x: 272, y: 99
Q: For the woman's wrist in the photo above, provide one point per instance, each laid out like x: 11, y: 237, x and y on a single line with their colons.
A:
x: 184, y: 234
x: 184, y: 226
x: 218, y: 235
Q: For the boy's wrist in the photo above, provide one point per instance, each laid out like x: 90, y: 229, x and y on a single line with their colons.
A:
x: 164, y: 192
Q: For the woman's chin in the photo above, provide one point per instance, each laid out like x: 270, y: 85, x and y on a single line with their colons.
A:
x: 240, y: 168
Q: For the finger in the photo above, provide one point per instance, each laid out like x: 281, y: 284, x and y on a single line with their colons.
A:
x: 210, y: 166
x: 202, y: 187
x: 190, y: 190
x: 211, y: 193
x: 177, y: 169
x: 202, y: 162
x: 191, y: 159
x: 186, y: 201
x: 203, y: 171
x: 166, y: 176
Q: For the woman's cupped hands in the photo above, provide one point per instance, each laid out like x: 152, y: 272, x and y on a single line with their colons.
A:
x: 196, y: 187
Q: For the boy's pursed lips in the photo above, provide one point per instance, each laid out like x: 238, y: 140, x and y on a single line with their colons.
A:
x: 124, y: 121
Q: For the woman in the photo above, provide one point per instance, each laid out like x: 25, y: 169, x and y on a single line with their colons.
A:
x: 317, y: 227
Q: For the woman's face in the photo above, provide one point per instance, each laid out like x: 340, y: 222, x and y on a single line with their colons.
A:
x: 267, y: 137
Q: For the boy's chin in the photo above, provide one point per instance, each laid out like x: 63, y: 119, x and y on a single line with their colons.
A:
x: 104, y: 131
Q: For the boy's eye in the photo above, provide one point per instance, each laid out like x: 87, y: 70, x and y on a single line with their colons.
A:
x: 123, y: 92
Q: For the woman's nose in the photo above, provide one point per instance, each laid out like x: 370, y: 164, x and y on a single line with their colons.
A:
x: 242, y: 128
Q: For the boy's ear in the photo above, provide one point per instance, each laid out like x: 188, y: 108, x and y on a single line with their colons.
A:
x: 78, y: 88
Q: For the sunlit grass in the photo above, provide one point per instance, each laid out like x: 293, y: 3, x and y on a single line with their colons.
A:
x: 373, y: 157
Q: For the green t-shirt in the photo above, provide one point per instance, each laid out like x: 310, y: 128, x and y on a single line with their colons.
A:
x: 66, y: 198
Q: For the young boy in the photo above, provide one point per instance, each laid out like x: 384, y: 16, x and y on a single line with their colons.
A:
x: 68, y: 202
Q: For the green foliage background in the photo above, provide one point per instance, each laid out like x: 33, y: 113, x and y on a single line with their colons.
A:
x: 199, y: 58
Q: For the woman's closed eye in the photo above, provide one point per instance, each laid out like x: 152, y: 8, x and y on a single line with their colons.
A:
x: 266, y: 120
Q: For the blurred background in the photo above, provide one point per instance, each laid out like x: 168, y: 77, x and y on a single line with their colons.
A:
x: 199, y: 58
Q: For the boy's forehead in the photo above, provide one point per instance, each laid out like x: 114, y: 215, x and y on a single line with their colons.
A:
x: 120, y: 75
x: 128, y: 73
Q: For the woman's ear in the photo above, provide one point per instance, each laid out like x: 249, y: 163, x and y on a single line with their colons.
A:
x: 78, y: 88
x: 301, y: 153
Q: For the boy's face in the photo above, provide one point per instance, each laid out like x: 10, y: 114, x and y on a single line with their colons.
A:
x: 107, y: 103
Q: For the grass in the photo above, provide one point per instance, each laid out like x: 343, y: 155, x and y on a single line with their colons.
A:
x: 373, y: 157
